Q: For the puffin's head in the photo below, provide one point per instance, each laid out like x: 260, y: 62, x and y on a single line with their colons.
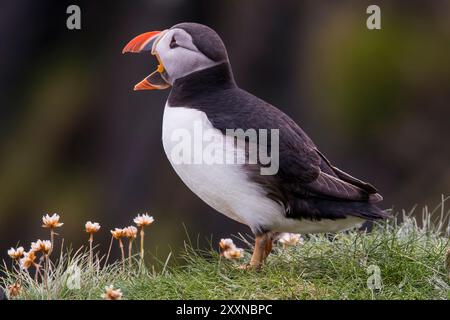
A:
x: 180, y: 50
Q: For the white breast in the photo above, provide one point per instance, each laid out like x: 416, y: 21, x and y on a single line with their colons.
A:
x: 226, y: 187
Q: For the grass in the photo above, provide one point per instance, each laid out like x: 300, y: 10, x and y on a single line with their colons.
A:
x: 409, y: 256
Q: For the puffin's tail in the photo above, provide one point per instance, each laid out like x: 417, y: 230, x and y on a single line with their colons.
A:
x: 363, y: 210
x: 338, y: 209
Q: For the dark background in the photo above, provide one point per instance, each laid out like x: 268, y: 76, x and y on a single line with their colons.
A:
x: 77, y: 140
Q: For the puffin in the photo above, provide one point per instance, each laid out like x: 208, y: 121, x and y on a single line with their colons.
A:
x: 305, y: 194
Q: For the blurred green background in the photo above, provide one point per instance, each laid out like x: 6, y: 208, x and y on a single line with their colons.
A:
x: 77, y: 140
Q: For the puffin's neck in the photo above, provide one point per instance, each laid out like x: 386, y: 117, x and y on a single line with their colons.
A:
x: 202, y: 82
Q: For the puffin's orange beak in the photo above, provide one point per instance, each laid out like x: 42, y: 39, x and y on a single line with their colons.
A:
x: 145, y: 42
x: 142, y: 42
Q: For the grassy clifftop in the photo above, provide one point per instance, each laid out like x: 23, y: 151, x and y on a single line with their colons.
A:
x: 394, y: 261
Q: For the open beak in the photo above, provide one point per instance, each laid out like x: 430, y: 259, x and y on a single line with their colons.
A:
x: 147, y: 42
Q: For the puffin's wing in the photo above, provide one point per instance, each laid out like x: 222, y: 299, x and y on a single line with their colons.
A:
x: 348, y: 178
x: 330, y: 181
x: 309, y: 172
x: 335, y: 183
x: 303, y: 170
x: 332, y: 187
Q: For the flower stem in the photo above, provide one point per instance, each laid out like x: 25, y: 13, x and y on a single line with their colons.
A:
x: 123, y: 252
x: 38, y: 271
x: 91, y: 254
x: 46, y: 271
x: 142, y: 245
x: 130, y: 248
x: 52, y: 240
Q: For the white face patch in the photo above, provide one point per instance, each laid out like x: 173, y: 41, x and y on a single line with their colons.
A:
x: 183, y: 57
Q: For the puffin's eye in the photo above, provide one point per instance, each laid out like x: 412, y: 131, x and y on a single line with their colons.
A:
x: 173, y: 43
